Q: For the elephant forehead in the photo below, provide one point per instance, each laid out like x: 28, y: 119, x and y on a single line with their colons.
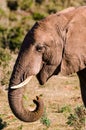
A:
x: 43, y: 37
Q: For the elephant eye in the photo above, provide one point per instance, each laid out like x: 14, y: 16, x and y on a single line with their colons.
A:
x: 39, y: 48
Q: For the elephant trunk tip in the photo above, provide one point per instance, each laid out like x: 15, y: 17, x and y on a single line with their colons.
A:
x: 38, y: 101
x: 37, y: 113
x: 21, y: 112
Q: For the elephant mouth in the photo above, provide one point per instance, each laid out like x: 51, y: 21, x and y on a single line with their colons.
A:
x: 42, y: 79
x: 22, y: 84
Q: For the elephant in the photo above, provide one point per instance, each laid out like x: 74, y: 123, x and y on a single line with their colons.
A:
x: 54, y: 45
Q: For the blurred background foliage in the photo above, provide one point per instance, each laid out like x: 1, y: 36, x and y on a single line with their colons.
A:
x: 18, y: 16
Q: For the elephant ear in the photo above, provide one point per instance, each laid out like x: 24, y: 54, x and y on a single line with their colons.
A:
x: 74, y: 54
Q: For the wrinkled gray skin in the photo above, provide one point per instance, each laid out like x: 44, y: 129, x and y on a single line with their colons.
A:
x: 56, y: 44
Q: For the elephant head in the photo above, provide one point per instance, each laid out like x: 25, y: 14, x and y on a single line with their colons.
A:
x: 52, y: 46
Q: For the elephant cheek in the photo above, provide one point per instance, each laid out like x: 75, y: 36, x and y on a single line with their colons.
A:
x: 35, y: 65
x: 36, y: 68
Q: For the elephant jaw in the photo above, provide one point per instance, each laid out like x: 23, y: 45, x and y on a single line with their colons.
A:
x: 22, y: 83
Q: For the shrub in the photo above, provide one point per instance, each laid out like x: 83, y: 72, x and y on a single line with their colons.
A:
x: 50, y: 11
x: 12, y: 4
x: 15, y: 37
x: 77, y: 119
x: 11, y: 37
x: 65, y: 109
x: 45, y: 120
x: 25, y: 4
x: 38, y: 16
x: 2, y: 36
x: 5, y: 57
x: 2, y: 13
x: 2, y: 124
x: 12, y: 17
x: 39, y: 1
x: 5, y: 78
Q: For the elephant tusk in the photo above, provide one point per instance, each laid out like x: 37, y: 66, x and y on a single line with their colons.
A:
x: 22, y: 84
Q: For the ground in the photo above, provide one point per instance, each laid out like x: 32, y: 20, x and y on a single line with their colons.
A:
x: 57, y: 93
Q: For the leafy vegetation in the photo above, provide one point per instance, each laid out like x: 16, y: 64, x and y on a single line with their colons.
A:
x: 45, y: 120
x: 12, y: 4
x: 5, y: 57
x: 26, y: 4
x: 22, y: 15
x: 38, y: 16
x: 65, y: 109
x: 15, y: 37
x: 78, y: 118
x: 2, y: 124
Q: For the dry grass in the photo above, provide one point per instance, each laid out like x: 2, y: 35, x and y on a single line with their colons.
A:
x: 58, y: 92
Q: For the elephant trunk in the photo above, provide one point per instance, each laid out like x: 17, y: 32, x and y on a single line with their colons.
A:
x: 15, y: 98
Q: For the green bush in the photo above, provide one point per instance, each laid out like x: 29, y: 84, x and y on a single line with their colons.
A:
x: 38, y: 16
x: 11, y: 37
x: 26, y: 4
x: 5, y: 78
x: 12, y: 4
x: 45, y: 120
x: 65, y: 109
x: 25, y: 24
x: 15, y: 37
x: 5, y: 57
x: 12, y: 17
x: 39, y: 1
x: 3, y: 36
x: 2, y: 124
x: 77, y: 119
x: 50, y: 11
x: 2, y: 13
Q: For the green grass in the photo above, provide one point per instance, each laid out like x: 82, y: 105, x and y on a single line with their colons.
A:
x: 77, y: 118
x: 65, y: 109
x: 45, y: 120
